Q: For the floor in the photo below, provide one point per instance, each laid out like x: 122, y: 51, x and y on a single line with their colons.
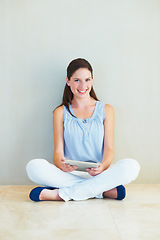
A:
x: 137, y: 217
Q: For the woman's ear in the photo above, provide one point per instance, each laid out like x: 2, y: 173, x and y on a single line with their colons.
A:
x: 67, y: 81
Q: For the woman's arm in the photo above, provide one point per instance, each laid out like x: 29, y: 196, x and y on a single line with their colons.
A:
x: 108, y: 153
x: 58, y: 117
x: 58, y: 128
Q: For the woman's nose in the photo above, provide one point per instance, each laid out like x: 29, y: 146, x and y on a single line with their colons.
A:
x: 83, y: 85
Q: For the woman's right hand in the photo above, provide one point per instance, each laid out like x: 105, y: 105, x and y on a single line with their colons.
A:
x: 66, y: 167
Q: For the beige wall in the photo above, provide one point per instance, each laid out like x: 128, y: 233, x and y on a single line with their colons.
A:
x: 39, y: 38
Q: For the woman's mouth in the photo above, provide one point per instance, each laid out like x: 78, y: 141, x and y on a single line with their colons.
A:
x: 82, y: 91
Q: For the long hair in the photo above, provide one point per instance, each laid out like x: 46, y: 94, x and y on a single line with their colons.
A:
x: 72, y: 67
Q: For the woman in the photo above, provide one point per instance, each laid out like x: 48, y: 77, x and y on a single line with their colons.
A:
x: 83, y: 130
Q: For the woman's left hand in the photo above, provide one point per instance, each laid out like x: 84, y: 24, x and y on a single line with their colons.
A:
x: 95, y: 171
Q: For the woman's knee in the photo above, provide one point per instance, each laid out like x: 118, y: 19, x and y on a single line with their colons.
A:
x: 132, y: 164
x: 131, y: 168
x: 34, y: 165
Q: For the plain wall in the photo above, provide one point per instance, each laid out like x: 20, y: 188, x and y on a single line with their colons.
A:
x: 38, y: 39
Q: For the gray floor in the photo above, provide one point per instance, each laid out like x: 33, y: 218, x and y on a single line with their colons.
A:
x: 136, y: 217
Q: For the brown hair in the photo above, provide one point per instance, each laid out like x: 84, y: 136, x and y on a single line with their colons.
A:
x: 73, y: 66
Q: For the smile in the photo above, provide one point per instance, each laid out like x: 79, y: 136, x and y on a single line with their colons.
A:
x: 80, y: 91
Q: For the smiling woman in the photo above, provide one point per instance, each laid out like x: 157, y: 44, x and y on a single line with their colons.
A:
x: 78, y: 71
x: 81, y: 82
x: 83, y: 131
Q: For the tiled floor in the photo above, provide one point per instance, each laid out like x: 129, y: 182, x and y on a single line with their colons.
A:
x: 137, y: 217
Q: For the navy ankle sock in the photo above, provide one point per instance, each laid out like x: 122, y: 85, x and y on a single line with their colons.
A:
x: 34, y: 194
x: 121, y: 192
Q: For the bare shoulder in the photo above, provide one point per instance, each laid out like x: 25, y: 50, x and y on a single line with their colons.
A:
x: 109, y: 110
x: 59, y: 113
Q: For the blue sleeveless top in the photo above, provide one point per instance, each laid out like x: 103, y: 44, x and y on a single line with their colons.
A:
x: 83, y: 139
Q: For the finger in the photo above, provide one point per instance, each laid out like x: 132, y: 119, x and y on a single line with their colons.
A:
x: 93, y: 172
x: 90, y: 171
x: 96, y: 168
x: 68, y: 166
x: 71, y: 168
x: 75, y: 167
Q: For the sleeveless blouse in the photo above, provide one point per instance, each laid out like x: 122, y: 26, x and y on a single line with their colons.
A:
x: 84, y: 139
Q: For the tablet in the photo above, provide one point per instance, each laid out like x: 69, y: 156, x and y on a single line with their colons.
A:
x: 81, y: 165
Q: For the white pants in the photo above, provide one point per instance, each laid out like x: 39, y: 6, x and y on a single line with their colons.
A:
x: 74, y: 187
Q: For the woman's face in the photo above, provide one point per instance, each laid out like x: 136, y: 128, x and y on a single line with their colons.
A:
x: 80, y: 82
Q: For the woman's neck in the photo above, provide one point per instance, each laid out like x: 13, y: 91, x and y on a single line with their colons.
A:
x: 82, y: 103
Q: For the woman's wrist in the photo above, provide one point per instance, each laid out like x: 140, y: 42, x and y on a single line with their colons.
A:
x: 57, y: 159
x: 104, y: 165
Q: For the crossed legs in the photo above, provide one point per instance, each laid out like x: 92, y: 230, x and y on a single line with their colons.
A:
x: 70, y: 186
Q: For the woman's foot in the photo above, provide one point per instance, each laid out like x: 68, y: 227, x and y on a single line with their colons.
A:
x: 49, y: 195
x: 44, y: 193
x: 111, y: 193
x: 118, y: 193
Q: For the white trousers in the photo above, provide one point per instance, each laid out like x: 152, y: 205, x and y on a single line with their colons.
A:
x: 80, y: 185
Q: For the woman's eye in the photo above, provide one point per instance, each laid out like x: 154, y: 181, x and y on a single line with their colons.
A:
x: 76, y: 80
x: 88, y: 79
